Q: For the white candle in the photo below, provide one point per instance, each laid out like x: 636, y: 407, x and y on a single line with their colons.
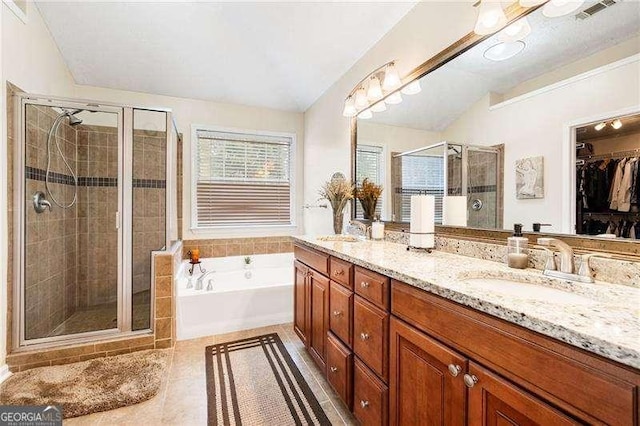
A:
x: 454, y: 211
x: 377, y: 230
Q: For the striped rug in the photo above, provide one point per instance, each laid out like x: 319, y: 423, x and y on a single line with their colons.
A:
x: 254, y: 381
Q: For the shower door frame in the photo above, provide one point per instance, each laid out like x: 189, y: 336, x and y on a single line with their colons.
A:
x: 123, y: 221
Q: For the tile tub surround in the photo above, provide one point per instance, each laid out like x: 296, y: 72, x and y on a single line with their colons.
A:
x: 609, y: 327
x: 238, y: 246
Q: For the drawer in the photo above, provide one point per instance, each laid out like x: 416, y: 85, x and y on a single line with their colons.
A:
x: 316, y: 260
x: 584, y: 385
x: 370, y: 396
x: 341, y: 312
x: 371, y: 336
x: 339, y: 368
x: 341, y: 272
x: 373, y: 287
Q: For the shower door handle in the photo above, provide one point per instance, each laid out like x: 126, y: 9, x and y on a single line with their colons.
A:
x: 117, y: 220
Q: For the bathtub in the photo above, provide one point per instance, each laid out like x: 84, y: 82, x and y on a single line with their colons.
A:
x: 242, y: 298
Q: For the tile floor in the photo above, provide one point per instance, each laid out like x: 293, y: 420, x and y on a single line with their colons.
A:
x: 183, y: 398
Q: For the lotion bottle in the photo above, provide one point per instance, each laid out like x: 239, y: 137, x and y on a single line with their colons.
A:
x: 517, y: 249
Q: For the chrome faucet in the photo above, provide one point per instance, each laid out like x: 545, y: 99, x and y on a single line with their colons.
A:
x: 201, y: 278
x: 364, y: 228
x: 566, y: 253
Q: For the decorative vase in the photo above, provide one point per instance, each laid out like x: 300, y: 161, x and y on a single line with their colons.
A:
x: 338, y: 217
x: 368, y: 208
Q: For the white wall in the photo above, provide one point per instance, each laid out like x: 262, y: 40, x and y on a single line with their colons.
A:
x: 536, y: 125
x: 393, y: 139
x: 427, y: 29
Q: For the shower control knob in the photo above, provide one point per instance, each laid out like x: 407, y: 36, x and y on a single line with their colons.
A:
x: 476, y: 204
x: 40, y: 203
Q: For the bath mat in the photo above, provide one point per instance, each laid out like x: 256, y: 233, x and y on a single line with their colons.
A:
x: 254, y: 381
x: 87, y: 387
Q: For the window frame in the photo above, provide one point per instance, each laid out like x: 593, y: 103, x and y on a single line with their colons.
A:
x: 382, y: 172
x: 242, y: 229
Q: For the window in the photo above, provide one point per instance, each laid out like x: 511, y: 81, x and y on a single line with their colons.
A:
x: 370, y: 163
x: 242, y: 179
x: 420, y: 175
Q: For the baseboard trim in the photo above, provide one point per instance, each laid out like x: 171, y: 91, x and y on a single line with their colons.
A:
x: 4, y: 373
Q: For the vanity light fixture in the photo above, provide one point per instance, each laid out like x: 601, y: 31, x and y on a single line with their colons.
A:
x: 504, y: 51
x: 556, y: 8
x: 379, y: 107
x: 516, y: 31
x: 374, y: 92
x: 491, y: 17
x: 600, y: 126
x: 366, y: 114
x: 349, y: 107
x: 616, y: 124
x: 412, y: 88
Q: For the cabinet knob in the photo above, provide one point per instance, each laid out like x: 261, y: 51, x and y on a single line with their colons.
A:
x: 364, y: 336
x: 364, y: 404
x: 333, y: 369
x: 364, y: 284
x: 338, y: 272
x: 337, y: 313
x: 454, y: 370
x: 470, y: 380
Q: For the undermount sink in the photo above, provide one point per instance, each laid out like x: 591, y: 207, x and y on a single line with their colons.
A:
x: 528, y: 291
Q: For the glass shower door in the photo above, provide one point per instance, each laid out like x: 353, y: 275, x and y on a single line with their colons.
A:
x: 483, y: 187
x: 71, y: 238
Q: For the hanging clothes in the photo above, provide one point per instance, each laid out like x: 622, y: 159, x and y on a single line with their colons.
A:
x: 624, y: 192
x: 614, y: 194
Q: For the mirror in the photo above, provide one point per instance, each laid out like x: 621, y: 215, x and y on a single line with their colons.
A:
x: 519, y: 115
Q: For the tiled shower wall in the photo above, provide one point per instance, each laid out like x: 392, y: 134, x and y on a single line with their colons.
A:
x: 97, y: 206
x: 51, y: 239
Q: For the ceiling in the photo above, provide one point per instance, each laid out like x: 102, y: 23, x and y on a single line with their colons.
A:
x: 630, y: 124
x: 452, y: 89
x: 276, y: 55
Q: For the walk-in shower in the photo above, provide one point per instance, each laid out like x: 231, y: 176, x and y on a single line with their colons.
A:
x: 92, y: 191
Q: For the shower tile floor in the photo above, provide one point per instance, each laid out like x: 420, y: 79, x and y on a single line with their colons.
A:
x: 182, y: 399
x: 104, y: 317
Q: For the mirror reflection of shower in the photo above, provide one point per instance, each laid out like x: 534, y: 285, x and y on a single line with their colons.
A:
x: 53, y: 136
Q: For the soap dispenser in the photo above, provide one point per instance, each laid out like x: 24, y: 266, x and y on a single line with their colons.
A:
x: 517, y: 249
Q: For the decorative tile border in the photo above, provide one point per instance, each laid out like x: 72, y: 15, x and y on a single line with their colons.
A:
x: 54, y: 177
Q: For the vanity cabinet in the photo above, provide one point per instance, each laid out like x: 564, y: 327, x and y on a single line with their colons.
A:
x: 301, y: 302
x: 319, y: 288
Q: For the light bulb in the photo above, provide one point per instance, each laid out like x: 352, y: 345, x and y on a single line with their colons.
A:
x: 375, y: 91
x: 516, y: 31
x: 555, y: 8
x: 379, y: 107
x: 391, y: 78
x: 361, y: 99
x: 600, y: 126
x: 531, y: 3
x: 491, y: 18
x: 365, y: 115
x: 349, y: 107
x: 394, y: 98
x: 412, y: 88
x: 616, y: 124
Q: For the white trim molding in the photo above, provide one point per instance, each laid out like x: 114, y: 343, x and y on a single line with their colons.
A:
x: 17, y: 10
x: 4, y: 373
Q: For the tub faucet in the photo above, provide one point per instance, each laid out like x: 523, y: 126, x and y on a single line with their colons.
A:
x: 201, y: 279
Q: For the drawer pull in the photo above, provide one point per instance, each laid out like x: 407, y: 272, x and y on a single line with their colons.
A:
x: 337, y: 313
x: 470, y: 380
x: 338, y: 272
x: 333, y: 369
x: 364, y: 336
x: 454, y: 370
x: 364, y: 404
x: 364, y: 284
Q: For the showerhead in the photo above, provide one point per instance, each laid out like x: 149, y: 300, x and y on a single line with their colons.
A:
x: 73, y: 120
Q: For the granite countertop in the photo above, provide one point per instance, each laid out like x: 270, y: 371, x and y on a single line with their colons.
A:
x: 602, y: 318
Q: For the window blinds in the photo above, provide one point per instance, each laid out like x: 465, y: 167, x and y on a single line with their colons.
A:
x: 421, y: 175
x: 242, y: 179
x: 369, y: 165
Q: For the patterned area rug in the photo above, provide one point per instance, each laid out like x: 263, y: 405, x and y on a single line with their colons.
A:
x: 255, y: 382
x: 91, y: 386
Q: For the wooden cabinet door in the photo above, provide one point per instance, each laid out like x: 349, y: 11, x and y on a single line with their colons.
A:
x: 319, y: 286
x: 371, y: 336
x: 301, y: 305
x: 495, y: 402
x: 426, y: 380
